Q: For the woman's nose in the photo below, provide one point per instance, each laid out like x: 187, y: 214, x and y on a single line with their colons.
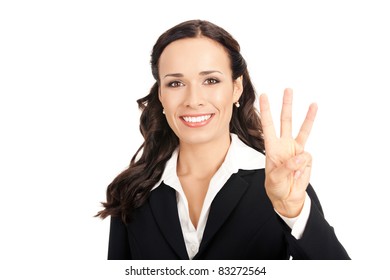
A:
x: 194, y: 97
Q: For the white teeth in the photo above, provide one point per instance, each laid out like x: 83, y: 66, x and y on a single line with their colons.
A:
x: 197, y: 119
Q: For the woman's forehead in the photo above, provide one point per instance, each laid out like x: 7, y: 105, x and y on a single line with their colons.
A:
x: 194, y: 55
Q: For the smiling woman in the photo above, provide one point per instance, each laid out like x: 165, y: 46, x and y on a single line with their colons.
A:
x: 212, y: 181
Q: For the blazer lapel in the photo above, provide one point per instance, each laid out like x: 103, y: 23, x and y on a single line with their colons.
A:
x: 223, y: 204
x: 164, y: 208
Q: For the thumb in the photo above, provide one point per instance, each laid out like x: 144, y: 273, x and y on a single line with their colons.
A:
x: 293, y: 167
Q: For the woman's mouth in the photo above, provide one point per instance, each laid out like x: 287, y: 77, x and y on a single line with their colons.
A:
x: 196, y: 120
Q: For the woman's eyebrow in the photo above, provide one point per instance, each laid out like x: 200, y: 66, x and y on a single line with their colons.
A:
x: 176, y: 75
x: 204, y: 73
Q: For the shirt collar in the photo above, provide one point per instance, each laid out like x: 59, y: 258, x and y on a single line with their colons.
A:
x: 239, y: 156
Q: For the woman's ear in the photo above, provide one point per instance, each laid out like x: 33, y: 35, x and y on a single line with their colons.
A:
x: 237, y: 88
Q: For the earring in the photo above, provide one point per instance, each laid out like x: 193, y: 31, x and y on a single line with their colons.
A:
x: 237, y: 104
x: 163, y: 111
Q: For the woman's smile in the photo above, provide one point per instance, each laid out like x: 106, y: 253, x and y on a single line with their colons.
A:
x: 197, y: 120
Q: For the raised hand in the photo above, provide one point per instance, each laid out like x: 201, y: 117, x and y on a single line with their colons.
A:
x: 288, y: 166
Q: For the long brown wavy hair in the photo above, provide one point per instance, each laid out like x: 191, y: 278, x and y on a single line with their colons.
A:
x: 131, y: 188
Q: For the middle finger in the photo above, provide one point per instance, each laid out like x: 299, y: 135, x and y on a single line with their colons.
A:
x: 286, y: 114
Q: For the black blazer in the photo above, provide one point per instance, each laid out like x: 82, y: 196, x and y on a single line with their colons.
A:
x: 242, y: 224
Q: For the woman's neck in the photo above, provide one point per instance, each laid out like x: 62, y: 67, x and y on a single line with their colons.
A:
x: 202, y: 160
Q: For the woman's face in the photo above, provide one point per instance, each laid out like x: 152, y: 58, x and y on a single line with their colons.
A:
x: 196, y: 89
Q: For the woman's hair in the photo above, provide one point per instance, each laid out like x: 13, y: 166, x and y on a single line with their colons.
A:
x: 131, y: 188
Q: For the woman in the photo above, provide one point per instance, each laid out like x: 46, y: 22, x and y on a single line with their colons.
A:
x: 212, y: 181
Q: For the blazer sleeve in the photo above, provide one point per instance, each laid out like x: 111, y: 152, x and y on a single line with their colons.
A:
x: 319, y: 241
x: 118, y: 245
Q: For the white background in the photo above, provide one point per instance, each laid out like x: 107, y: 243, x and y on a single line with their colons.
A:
x: 70, y: 75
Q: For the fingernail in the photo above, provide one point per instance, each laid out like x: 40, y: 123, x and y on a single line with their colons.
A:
x: 297, y: 175
x: 298, y: 159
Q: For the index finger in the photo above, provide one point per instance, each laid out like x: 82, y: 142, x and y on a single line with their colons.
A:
x: 266, y: 119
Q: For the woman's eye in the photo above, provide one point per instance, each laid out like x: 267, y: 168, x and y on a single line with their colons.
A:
x: 211, y: 81
x: 175, y: 84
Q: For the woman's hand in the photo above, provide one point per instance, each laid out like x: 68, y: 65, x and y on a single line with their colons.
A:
x: 288, y: 166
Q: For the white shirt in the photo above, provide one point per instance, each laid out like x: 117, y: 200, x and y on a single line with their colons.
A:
x: 239, y: 156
